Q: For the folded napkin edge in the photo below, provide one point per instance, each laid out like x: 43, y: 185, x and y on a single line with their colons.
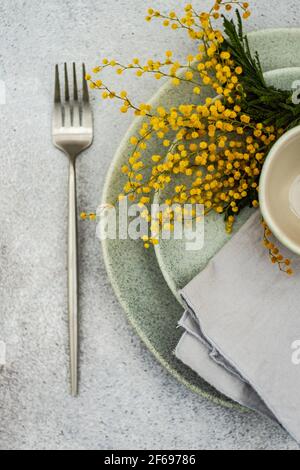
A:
x: 219, y: 389
x: 281, y: 421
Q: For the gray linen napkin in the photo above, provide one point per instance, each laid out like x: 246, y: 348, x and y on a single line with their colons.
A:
x: 241, y: 321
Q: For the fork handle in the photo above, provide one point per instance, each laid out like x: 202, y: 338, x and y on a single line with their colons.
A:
x: 73, y: 279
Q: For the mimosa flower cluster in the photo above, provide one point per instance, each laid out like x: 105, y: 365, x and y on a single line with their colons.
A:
x: 216, y: 147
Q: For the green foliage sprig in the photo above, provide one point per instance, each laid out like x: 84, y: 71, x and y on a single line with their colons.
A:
x: 264, y: 103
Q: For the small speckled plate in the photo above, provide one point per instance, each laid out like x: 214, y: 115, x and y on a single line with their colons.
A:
x: 138, y: 282
x: 180, y: 266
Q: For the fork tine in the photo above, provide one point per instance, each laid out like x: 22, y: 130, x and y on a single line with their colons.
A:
x: 85, y: 95
x: 68, y: 119
x: 58, y: 112
x: 87, y: 117
x: 57, y: 97
x: 75, y: 82
x: 67, y: 93
x: 76, y: 106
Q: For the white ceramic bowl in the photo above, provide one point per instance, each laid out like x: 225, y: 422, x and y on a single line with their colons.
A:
x: 279, y: 190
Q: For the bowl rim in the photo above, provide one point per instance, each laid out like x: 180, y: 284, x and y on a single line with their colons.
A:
x: 263, y: 184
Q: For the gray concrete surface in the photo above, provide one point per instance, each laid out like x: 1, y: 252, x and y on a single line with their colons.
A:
x: 127, y: 400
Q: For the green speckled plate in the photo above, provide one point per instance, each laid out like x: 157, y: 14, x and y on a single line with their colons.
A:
x: 180, y: 266
x: 135, y: 275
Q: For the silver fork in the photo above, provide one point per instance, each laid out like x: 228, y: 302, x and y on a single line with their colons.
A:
x: 72, y: 133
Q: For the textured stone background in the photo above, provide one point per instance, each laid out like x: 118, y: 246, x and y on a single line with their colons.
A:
x: 127, y: 400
